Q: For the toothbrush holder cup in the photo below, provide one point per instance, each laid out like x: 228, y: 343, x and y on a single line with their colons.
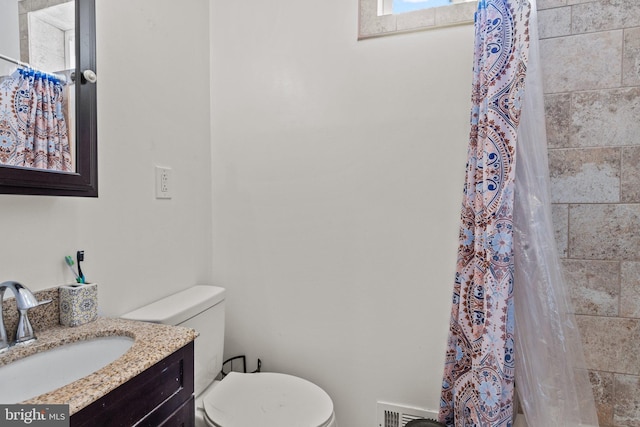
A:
x: 78, y: 304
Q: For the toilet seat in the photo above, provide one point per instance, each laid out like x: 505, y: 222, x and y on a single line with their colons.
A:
x: 267, y: 400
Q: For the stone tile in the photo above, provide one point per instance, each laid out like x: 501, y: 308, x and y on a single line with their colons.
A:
x: 558, y: 119
x: 631, y: 57
x: 417, y: 19
x: 23, y: 25
x: 456, y: 14
x: 627, y: 397
x: 605, y: 15
x: 546, y: 4
x: 582, y: 62
x: 602, y: 383
x: 630, y: 289
x: 610, y: 343
x: 604, y: 231
x: 370, y: 23
x: 594, y: 286
x: 554, y: 22
x: 560, y: 218
x: 32, y: 5
x: 587, y: 175
x: 24, y: 50
x: 630, y: 175
x: 605, y: 118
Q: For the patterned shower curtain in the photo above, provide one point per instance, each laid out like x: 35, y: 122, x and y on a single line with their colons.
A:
x: 33, y: 130
x: 478, y: 381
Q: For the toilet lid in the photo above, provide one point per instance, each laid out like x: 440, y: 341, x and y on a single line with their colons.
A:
x: 267, y: 400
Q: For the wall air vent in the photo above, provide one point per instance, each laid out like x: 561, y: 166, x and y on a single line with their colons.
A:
x: 392, y: 415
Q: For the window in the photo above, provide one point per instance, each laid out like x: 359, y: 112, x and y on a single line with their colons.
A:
x: 383, y: 17
x: 403, y: 6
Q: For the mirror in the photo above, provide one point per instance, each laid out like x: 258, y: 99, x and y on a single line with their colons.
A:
x: 75, y: 53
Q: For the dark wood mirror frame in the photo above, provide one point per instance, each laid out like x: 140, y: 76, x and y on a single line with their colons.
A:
x: 84, y: 182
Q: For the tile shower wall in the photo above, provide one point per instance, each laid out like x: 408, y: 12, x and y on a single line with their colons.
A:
x: 591, y: 63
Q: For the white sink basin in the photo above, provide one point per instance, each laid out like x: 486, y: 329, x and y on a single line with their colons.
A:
x: 52, y: 369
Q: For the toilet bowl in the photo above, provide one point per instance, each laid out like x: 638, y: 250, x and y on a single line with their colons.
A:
x: 267, y: 399
x: 262, y: 399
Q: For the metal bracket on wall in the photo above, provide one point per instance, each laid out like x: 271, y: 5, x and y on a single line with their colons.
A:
x: 229, y: 366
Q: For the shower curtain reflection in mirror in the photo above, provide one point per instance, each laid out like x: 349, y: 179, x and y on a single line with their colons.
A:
x: 37, y: 93
x: 33, y: 129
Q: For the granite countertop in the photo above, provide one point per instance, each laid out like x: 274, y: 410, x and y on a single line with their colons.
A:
x: 152, y: 343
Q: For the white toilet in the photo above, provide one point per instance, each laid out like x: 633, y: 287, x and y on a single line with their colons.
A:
x: 239, y: 400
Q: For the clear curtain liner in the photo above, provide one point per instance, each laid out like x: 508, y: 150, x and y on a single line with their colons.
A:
x: 551, y: 376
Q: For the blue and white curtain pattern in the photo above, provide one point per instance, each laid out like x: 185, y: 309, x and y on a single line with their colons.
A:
x: 478, y: 380
x: 33, y: 128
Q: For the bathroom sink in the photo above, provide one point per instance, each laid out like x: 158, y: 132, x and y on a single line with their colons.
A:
x: 48, y: 370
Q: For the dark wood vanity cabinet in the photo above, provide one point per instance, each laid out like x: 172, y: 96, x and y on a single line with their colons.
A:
x: 160, y: 396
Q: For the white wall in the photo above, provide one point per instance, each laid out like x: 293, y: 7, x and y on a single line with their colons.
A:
x: 153, y: 108
x: 9, y: 34
x: 337, y: 180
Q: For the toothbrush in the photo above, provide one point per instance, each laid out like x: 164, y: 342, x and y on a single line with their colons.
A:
x: 80, y: 257
x: 70, y: 263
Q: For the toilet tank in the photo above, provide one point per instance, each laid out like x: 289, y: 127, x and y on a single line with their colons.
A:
x: 200, y: 308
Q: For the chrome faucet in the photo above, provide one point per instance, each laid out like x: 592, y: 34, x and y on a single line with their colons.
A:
x: 24, y: 301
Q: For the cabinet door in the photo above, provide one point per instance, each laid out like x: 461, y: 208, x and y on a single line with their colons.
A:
x: 146, y: 400
x: 184, y: 416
